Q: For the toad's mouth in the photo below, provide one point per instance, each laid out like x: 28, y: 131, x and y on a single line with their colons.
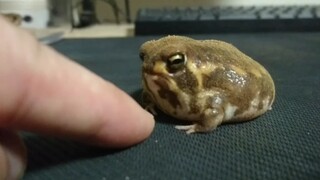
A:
x: 158, y: 78
x: 154, y: 74
x: 153, y: 70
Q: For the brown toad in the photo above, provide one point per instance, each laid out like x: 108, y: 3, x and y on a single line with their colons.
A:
x: 206, y: 82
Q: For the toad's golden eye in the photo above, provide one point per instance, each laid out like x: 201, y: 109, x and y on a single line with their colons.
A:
x: 176, y: 62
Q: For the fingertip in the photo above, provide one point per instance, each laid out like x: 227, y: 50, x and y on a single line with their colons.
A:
x: 128, y: 127
x: 143, y: 128
x: 128, y: 133
x: 126, y: 123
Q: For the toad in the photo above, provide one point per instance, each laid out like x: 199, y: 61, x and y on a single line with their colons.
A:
x: 204, y: 82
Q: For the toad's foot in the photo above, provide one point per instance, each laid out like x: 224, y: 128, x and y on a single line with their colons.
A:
x: 212, y: 118
x: 188, y: 128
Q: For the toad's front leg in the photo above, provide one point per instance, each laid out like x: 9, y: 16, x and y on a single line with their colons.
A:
x: 211, y: 119
x: 147, y: 103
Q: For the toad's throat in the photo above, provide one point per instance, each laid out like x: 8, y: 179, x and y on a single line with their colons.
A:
x: 159, y: 87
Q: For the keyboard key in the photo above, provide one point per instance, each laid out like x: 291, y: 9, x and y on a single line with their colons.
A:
x: 237, y: 17
x: 189, y: 14
x: 170, y: 15
x: 284, y: 15
x: 266, y: 16
x: 305, y: 15
x: 206, y: 14
x: 149, y: 14
x: 317, y: 13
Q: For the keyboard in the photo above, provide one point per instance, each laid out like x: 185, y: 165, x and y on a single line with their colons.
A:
x: 227, y: 20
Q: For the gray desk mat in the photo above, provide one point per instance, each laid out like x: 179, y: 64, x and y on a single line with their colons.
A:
x: 282, y: 144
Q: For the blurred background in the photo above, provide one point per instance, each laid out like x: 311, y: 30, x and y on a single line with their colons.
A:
x: 51, y: 20
x: 280, y: 145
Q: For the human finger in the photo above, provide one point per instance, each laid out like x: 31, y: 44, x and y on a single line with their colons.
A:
x: 44, y: 92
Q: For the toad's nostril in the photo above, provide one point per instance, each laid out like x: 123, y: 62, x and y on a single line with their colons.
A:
x: 141, y: 55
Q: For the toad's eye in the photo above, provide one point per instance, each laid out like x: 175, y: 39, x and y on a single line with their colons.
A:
x: 176, y: 62
x: 141, y: 55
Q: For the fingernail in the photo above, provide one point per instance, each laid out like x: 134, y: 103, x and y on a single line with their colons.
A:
x: 149, y: 115
x: 134, y: 130
x: 16, y: 166
x: 149, y: 119
x: 15, y: 152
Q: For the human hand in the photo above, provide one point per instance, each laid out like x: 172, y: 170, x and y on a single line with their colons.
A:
x: 42, y: 91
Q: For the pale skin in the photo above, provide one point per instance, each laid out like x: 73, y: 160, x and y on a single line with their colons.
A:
x: 43, y: 92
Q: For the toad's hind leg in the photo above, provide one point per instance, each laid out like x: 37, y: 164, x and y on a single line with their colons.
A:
x: 212, y: 118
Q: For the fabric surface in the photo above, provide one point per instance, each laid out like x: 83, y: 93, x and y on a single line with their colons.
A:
x: 282, y: 144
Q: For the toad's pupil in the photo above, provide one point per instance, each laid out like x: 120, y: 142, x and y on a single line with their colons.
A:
x: 178, y: 60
